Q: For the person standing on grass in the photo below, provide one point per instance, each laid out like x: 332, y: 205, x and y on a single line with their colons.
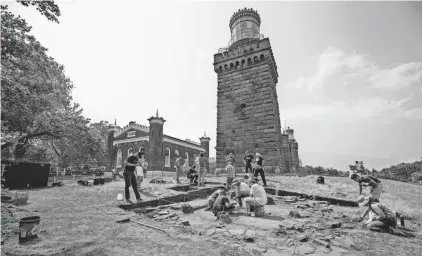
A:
x: 257, y: 196
x: 203, y: 162
x: 242, y: 190
x: 368, y: 181
x: 130, y: 177
x: 259, y: 168
x: 384, y: 218
x: 231, y: 174
x: 178, y: 168
x: 248, y: 161
x: 231, y: 158
x: 139, y: 174
x: 145, y: 167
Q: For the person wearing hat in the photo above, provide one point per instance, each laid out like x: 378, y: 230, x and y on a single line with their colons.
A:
x: 222, y: 203
x: 259, y: 168
x: 384, y: 218
x: 130, y: 177
x: 242, y: 190
x: 231, y: 158
x: 368, y: 181
x: 231, y: 174
x: 257, y: 196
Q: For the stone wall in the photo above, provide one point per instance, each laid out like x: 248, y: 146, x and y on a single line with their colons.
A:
x: 247, y: 106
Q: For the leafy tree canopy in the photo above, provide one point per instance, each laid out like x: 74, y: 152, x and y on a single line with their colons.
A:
x: 47, y: 8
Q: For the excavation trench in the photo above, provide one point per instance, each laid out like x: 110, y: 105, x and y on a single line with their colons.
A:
x: 189, y: 193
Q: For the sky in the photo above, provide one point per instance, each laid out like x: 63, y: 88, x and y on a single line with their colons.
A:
x: 350, y: 73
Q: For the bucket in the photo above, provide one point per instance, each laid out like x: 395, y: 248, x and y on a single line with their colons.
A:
x: 259, y: 211
x: 28, y: 228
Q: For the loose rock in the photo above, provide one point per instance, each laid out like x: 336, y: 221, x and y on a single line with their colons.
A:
x: 322, y: 243
x: 294, y: 214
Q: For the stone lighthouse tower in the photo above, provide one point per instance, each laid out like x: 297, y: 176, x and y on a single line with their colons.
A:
x: 248, y: 115
x: 294, y: 148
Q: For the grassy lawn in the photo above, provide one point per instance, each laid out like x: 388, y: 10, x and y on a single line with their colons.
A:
x: 79, y: 220
x: 401, y: 197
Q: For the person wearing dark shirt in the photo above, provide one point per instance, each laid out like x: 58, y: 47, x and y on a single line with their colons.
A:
x: 259, y: 168
x: 130, y: 177
x: 248, y: 160
x: 222, y: 203
x: 193, y: 175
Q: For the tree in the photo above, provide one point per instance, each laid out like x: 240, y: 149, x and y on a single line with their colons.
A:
x: 36, y: 98
x: 47, y: 8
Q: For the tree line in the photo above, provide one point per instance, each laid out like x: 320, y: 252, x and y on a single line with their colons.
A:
x: 39, y: 119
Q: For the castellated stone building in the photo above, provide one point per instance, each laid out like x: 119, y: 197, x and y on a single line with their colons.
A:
x: 159, y: 150
x: 248, y: 115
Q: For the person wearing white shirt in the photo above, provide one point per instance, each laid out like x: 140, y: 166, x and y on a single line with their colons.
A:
x: 242, y: 190
x: 257, y: 197
x: 139, y: 174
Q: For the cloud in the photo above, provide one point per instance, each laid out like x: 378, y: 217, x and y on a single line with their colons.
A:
x: 399, y: 77
x: 349, y: 112
x: 334, y: 61
x: 415, y: 113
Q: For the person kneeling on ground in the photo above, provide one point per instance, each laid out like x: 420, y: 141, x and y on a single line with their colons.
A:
x: 193, y: 175
x: 222, y: 203
x: 257, y: 196
x: 231, y: 174
x: 385, y: 218
x: 242, y: 190
x: 213, y: 197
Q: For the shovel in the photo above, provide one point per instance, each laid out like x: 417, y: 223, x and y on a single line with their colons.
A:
x: 143, y: 224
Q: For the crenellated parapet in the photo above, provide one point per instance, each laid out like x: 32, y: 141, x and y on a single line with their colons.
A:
x: 242, y: 13
x: 131, y: 124
x: 246, y: 56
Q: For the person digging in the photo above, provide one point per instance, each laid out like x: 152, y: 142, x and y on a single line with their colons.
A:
x: 384, y: 219
x: 257, y: 196
x: 242, y: 191
x: 193, y: 175
x: 212, y: 198
x: 222, y: 204
x: 368, y: 181
x: 130, y: 177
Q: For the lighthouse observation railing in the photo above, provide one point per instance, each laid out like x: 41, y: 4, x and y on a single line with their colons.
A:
x: 236, y: 38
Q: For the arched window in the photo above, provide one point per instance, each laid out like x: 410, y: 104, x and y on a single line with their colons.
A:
x: 167, y: 158
x: 129, y: 152
x: 186, y: 159
x: 119, y: 159
x: 142, y: 151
